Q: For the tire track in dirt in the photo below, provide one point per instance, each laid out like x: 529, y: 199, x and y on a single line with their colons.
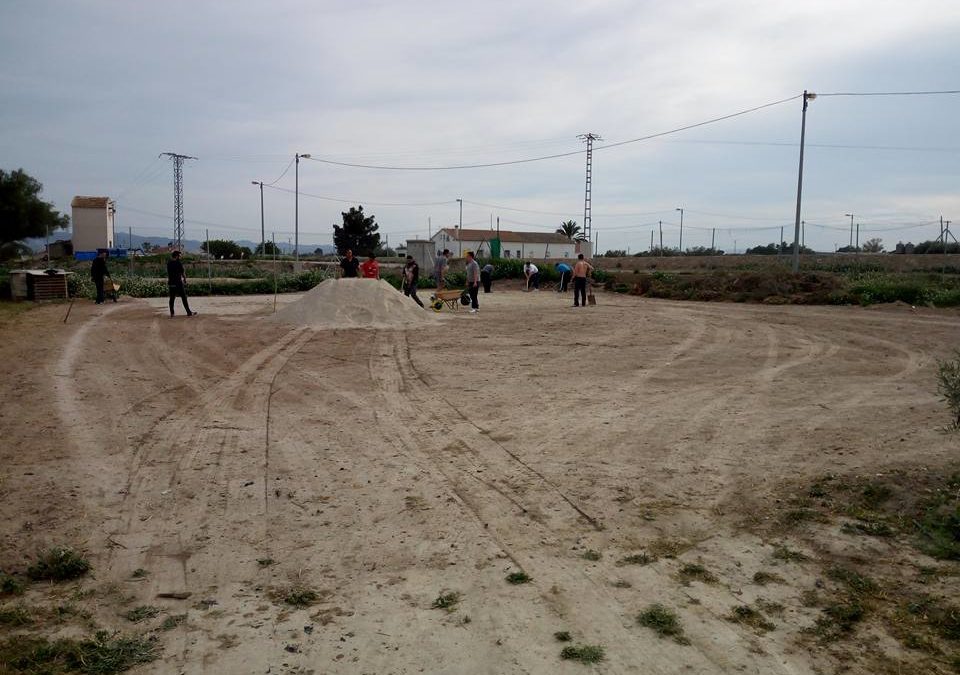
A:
x: 407, y: 406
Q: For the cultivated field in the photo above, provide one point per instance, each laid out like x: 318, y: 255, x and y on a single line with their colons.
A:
x: 308, y: 497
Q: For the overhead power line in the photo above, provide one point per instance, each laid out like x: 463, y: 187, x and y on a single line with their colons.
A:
x: 360, y: 201
x: 891, y: 93
x: 557, y: 155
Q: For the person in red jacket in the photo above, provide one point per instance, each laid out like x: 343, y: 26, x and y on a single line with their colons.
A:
x: 370, y: 269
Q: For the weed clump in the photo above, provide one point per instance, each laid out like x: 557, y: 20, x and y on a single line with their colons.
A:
x: 10, y: 585
x: 696, y: 572
x: 139, y: 573
x: 519, y: 578
x: 744, y: 614
x: 668, y: 548
x: 664, y: 622
x: 591, y: 555
x: 636, y: 559
x: 266, y: 562
x: 141, y: 613
x: 584, y: 653
x: 948, y: 386
x: 838, y: 619
x: 172, y: 621
x: 858, y: 584
x: 872, y: 528
x: 104, y: 654
x: 14, y: 616
x: 788, y: 555
x: 562, y: 636
x: 59, y: 564
x: 447, y: 601
x: 763, y: 578
x: 300, y: 597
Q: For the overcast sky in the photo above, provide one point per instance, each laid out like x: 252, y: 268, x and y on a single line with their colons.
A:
x: 92, y: 91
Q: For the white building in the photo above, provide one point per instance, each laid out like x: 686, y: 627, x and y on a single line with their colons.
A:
x: 521, y: 245
x: 92, y: 223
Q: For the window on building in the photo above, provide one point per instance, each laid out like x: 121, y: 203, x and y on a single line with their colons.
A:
x: 506, y: 253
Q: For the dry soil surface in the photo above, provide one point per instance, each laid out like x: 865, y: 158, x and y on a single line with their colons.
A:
x: 234, y: 459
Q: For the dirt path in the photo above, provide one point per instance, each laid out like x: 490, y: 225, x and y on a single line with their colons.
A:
x: 382, y: 468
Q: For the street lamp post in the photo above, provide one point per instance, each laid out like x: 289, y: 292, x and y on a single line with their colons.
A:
x: 807, y: 97
x: 681, y: 230
x: 460, y: 232
x: 851, y: 227
x: 296, y: 209
x: 263, y: 238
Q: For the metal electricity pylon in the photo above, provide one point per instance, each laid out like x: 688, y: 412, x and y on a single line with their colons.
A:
x: 177, y: 196
x: 588, y: 138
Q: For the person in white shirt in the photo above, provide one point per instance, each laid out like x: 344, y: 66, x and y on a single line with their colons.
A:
x: 532, y: 272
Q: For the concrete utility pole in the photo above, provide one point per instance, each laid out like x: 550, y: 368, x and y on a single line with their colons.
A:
x: 460, y: 231
x: 713, y: 238
x: 681, y: 230
x: 661, y: 237
x: 588, y: 138
x: 296, y: 210
x: 851, y: 228
x: 263, y: 234
x: 177, y: 197
x: 807, y: 97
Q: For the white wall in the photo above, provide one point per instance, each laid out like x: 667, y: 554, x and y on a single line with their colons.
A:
x: 516, y: 249
x: 92, y: 229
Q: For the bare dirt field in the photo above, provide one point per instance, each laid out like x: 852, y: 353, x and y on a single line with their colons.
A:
x: 622, y: 455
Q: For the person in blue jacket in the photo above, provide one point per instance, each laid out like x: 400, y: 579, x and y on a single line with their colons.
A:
x: 565, y: 271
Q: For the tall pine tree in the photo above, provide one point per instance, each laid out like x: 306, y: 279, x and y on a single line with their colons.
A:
x: 358, y: 233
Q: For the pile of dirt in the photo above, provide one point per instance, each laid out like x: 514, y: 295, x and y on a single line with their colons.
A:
x: 354, y: 303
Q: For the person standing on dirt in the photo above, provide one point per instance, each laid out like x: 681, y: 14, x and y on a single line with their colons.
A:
x: 177, y: 282
x: 440, y: 268
x: 532, y: 272
x: 370, y: 268
x: 98, y: 272
x: 486, y: 277
x: 411, y: 277
x: 581, y: 271
x: 473, y: 282
x: 349, y: 266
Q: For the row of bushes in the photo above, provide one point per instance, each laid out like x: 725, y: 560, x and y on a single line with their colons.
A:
x: 780, y: 286
x: 140, y: 287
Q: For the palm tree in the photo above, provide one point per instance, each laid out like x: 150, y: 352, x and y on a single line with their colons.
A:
x: 570, y: 230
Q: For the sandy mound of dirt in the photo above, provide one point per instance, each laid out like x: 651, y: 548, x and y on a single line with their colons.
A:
x: 355, y: 303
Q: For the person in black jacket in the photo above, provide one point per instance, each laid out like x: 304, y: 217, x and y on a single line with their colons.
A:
x: 177, y: 281
x: 99, y: 271
x: 411, y: 277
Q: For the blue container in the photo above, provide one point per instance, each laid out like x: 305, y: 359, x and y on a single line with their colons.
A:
x: 84, y: 255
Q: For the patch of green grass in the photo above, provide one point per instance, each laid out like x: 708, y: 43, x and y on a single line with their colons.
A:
x: 856, y: 583
x: 591, y: 555
x: 58, y: 564
x: 696, y: 572
x: 141, y: 613
x: 838, y: 619
x: 871, y: 527
x: 763, y: 578
x: 668, y: 548
x: 15, y: 616
x: 939, y: 528
x: 447, y: 601
x: 562, y: 636
x: 298, y: 596
x: 519, y: 578
x: 770, y: 607
x: 948, y: 385
x: 104, y: 654
x: 10, y: 585
x: 747, y: 615
x: 664, y: 622
x: 584, y: 653
x: 636, y: 559
x: 139, y: 573
x: 797, y: 516
x: 788, y: 555
x: 875, y: 495
x: 172, y: 621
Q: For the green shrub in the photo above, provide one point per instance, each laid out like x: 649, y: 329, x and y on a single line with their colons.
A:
x: 948, y: 385
x: 583, y: 653
x: 58, y: 564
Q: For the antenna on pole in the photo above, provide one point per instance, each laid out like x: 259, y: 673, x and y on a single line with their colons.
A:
x: 177, y: 197
x: 588, y: 138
